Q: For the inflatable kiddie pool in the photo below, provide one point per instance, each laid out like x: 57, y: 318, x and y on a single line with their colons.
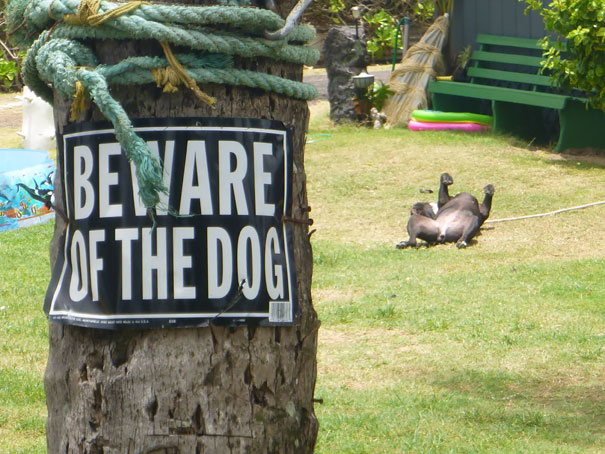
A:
x: 414, y: 125
x: 26, y: 188
x: 436, y: 116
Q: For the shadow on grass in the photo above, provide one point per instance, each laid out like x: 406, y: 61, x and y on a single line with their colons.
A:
x: 465, y: 411
x: 578, y: 163
x: 563, y: 409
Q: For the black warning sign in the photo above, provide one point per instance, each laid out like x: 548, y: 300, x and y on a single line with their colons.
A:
x: 219, y: 251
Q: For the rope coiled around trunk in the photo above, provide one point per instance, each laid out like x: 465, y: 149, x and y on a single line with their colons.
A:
x: 55, y: 32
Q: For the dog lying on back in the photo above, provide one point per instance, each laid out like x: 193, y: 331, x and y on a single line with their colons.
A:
x: 457, y: 220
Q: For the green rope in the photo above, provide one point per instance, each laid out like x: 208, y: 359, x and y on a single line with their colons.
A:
x: 137, y: 70
x: 41, y: 14
x: 224, y: 43
x: 56, y: 58
x: 148, y: 166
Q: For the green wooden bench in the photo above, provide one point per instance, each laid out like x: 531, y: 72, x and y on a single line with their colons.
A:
x: 504, y: 60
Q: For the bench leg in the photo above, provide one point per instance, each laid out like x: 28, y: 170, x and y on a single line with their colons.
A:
x: 581, y: 127
x: 526, y: 122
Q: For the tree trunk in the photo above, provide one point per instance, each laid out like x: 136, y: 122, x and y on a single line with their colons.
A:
x: 199, y: 390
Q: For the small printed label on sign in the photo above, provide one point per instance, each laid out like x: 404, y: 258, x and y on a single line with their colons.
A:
x: 280, y: 312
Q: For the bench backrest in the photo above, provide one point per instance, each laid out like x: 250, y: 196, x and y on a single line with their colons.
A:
x: 508, y: 59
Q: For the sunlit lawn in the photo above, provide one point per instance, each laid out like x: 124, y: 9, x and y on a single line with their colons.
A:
x: 498, y: 348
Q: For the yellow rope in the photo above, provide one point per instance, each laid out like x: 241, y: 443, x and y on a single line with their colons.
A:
x: 167, y: 78
x: 170, y: 78
x: 86, y: 8
x: 80, y: 104
x: 175, y: 74
x: 88, y: 12
x: 98, y: 19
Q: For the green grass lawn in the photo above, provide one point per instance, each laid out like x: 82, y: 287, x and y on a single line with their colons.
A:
x: 23, y: 338
x: 497, y: 348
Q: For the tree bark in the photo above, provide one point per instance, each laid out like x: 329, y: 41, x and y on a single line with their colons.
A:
x: 203, y: 390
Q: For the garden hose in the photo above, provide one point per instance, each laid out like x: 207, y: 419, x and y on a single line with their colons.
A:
x: 550, y: 213
x: 406, y: 21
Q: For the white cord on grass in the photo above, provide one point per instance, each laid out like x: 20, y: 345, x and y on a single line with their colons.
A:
x: 492, y: 221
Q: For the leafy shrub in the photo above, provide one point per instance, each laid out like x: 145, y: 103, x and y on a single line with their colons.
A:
x: 325, y: 13
x: 424, y: 10
x: 582, y: 24
x: 9, y: 73
x: 444, y: 6
x: 380, y: 93
x: 380, y: 18
x: 374, y: 96
x: 9, y: 61
x: 381, y: 33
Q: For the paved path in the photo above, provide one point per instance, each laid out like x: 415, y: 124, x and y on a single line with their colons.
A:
x: 321, y: 80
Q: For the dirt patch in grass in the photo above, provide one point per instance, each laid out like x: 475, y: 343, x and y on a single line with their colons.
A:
x: 332, y: 294
x: 402, y: 340
x: 589, y: 155
x: 11, y: 112
x: 11, y: 115
x: 368, y: 358
x: 9, y: 138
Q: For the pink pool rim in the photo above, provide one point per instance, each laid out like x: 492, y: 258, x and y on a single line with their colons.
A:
x: 414, y: 125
